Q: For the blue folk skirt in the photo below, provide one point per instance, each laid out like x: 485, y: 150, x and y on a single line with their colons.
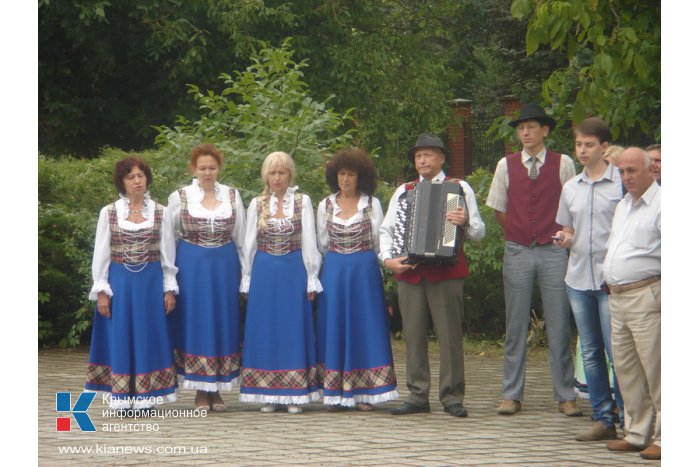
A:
x: 353, y: 341
x: 130, y: 353
x: 279, y: 355
x: 205, y: 326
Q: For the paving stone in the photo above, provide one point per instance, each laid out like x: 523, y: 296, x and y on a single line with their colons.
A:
x: 539, y: 435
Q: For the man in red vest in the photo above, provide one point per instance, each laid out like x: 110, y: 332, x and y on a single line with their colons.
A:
x: 525, y: 195
x: 430, y: 292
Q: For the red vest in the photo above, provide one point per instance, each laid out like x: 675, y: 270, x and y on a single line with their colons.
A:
x: 533, y: 204
x: 435, y: 272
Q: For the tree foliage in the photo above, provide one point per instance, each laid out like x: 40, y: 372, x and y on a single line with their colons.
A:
x: 614, y: 52
x: 263, y: 109
x: 109, y: 70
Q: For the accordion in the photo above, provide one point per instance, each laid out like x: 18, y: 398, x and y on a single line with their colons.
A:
x: 421, y: 232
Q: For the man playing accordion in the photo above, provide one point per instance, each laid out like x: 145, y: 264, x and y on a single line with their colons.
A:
x: 430, y: 290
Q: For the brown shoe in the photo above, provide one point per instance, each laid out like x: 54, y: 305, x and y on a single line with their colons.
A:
x: 651, y: 453
x: 570, y: 409
x: 508, y: 407
x: 597, y: 432
x: 622, y: 445
x: 364, y: 407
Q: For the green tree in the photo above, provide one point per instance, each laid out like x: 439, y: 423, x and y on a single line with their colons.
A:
x: 614, y: 52
x: 109, y: 70
x: 267, y: 107
x: 263, y: 109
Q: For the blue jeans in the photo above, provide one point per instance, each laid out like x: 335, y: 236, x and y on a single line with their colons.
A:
x: 592, y: 315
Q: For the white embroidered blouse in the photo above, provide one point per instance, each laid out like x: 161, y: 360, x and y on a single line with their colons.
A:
x: 322, y: 217
x: 195, y: 195
x: 309, y: 252
x: 102, y: 253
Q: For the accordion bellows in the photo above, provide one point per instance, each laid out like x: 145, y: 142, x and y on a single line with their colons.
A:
x: 421, y: 231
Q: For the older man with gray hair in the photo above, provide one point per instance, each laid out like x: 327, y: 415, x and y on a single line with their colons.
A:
x: 632, y: 272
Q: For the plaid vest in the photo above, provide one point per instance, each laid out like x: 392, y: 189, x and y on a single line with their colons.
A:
x: 352, y: 238
x: 206, y: 232
x: 135, y: 248
x: 281, y: 236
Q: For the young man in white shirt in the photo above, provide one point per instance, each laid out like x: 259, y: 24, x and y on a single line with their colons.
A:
x: 586, y: 209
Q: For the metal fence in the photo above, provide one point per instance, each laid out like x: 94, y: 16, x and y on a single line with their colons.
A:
x: 485, y: 151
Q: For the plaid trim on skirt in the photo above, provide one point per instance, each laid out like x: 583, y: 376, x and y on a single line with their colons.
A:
x: 130, y: 353
x: 279, y: 356
x: 352, y: 339
x: 205, y: 326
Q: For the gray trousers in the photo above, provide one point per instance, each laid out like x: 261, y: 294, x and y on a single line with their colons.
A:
x: 521, y: 266
x: 444, y: 303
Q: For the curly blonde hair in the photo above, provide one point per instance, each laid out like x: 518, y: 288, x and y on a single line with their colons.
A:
x: 271, y: 162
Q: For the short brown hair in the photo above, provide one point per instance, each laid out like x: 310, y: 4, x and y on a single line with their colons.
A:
x: 205, y: 149
x: 594, y: 127
x: 123, y: 167
x: 357, y: 160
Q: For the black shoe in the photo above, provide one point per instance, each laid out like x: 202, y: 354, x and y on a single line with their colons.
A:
x: 456, y: 410
x: 408, y: 408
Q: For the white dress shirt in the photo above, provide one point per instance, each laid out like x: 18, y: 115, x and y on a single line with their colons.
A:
x: 634, y: 247
x: 309, y: 252
x: 475, y: 231
x: 588, y: 206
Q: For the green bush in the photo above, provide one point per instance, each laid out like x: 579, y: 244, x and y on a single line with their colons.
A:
x: 484, y: 305
x: 263, y: 109
x: 71, y: 194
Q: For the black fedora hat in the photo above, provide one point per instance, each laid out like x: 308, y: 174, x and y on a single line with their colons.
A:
x: 426, y: 140
x: 534, y: 112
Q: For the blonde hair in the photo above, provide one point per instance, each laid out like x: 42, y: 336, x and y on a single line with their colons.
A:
x: 272, y: 161
x: 612, y: 153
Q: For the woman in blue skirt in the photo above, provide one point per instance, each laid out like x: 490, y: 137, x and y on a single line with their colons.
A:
x: 280, y: 276
x: 134, y: 284
x: 354, y: 350
x: 209, y: 221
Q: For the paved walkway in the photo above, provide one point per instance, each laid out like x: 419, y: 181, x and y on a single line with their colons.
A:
x: 539, y: 435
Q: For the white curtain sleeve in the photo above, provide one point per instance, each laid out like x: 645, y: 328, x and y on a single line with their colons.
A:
x: 477, y: 228
x: 167, y: 254
x: 101, y: 257
x: 322, y: 227
x: 377, y: 218
x: 386, y: 229
x: 239, y: 229
x: 250, y: 245
x: 309, y: 250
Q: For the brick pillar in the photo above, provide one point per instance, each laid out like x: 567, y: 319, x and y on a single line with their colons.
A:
x: 511, y: 106
x: 459, y: 138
